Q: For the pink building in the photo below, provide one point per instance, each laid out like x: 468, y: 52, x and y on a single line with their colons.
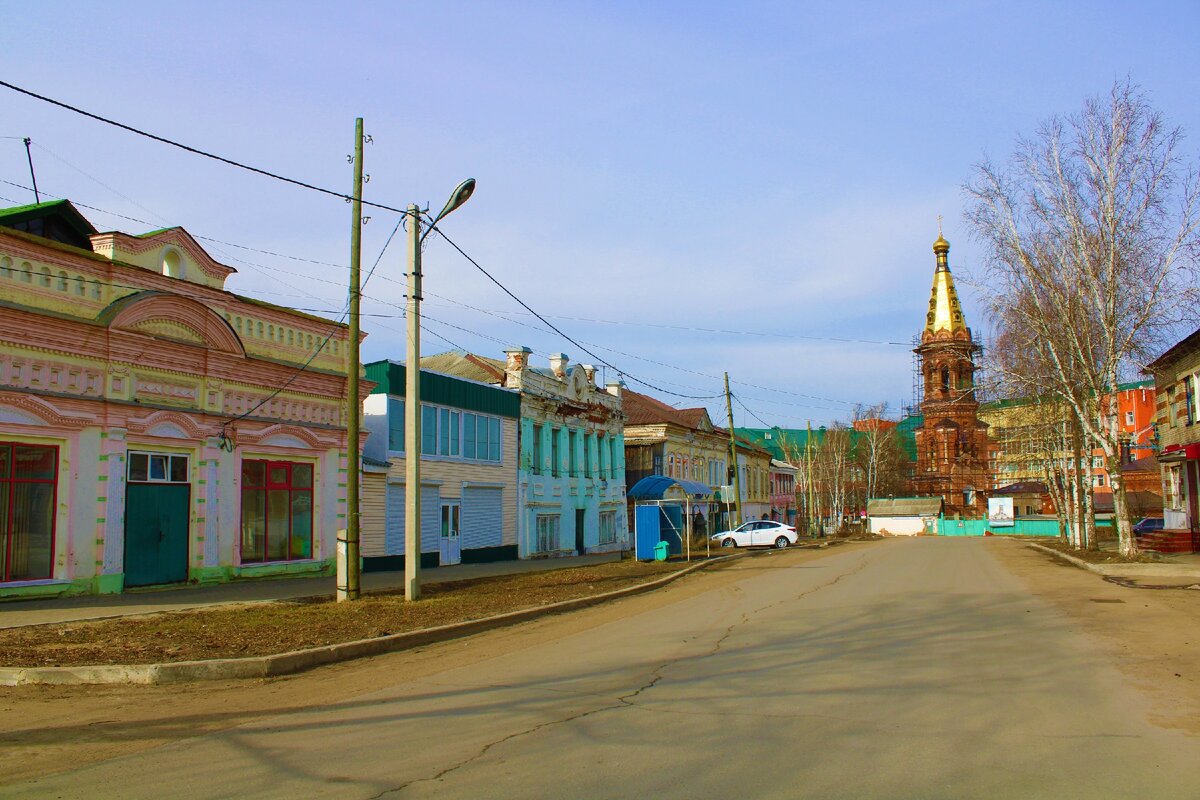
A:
x: 156, y: 428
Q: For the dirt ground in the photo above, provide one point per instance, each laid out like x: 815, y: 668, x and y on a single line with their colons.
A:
x: 265, y: 628
x: 1152, y: 635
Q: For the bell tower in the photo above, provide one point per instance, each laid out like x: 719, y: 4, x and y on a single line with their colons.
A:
x: 952, y: 443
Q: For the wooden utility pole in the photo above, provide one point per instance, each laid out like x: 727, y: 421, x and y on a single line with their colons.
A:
x: 737, y: 480
x: 808, y: 468
x: 348, y: 549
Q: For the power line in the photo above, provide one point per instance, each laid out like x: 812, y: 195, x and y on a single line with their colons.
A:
x: 193, y: 150
x: 557, y: 330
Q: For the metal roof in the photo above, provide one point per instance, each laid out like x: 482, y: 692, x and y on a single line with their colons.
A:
x: 904, y: 507
x: 653, y: 487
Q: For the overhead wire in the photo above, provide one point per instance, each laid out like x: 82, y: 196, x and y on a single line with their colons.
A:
x: 194, y: 150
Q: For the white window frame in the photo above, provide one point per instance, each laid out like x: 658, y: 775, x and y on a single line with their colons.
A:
x: 608, y: 527
x: 549, y: 532
x: 151, y: 456
x: 451, y: 446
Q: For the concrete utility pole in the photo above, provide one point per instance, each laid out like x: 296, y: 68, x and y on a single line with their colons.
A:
x: 347, y: 551
x: 412, y: 414
x: 737, y: 480
x: 412, y: 390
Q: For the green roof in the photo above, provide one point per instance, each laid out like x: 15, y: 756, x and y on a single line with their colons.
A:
x: 796, y: 439
x: 390, y: 378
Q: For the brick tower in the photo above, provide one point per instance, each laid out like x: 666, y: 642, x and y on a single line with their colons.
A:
x: 952, y: 444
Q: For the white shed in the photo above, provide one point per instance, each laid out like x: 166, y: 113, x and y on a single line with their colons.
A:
x: 903, y: 516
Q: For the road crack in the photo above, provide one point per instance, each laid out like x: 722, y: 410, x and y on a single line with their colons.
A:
x: 626, y: 700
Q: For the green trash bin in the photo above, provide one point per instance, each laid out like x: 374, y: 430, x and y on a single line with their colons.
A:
x: 661, y: 551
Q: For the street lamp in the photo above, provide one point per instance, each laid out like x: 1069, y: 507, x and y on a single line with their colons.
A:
x: 412, y: 390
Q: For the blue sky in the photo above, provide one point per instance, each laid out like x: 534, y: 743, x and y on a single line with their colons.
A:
x: 775, y: 169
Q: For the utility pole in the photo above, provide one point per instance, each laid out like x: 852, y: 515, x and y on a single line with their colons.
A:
x: 347, y: 552
x: 737, y: 480
x: 33, y: 177
x: 412, y: 414
x: 808, y: 468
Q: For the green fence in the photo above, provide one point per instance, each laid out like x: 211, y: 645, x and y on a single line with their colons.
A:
x: 980, y: 527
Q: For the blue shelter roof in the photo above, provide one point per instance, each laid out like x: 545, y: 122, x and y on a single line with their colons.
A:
x: 653, y: 487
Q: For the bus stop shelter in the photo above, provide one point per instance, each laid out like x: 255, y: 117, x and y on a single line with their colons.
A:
x: 663, y: 513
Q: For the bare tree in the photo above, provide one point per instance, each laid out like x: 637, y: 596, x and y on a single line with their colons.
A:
x: 1090, y: 232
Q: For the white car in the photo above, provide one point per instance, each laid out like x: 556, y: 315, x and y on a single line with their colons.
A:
x: 756, y: 533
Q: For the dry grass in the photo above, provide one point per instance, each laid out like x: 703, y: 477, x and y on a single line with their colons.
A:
x: 267, y: 628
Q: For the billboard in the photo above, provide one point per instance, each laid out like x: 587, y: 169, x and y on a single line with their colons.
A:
x: 1000, y: 512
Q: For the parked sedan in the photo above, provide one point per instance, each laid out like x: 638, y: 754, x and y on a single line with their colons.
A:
x: 756, y: 533
x: 1149, y: 525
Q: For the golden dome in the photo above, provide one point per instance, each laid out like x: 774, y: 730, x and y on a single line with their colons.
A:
x: 941, y: 246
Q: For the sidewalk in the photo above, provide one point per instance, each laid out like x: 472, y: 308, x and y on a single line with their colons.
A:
x: 14, y: 614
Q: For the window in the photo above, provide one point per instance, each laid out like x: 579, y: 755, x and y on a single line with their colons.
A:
x: 395, y: 415
x: 538, y: 465
x: 573, y: 454
x: 587, y: 455
x: 450, y: 433
x: 547, y: 532
x: 277, y: 511
x: 608, y: 527
x: 429, y: 420
x: 44, y: 278
x: 602, y: 459
x: 555, y: 462
x: 1128, y: 417
x: 157, y: 468
x: 28, y: 484
x: 1189, y: 389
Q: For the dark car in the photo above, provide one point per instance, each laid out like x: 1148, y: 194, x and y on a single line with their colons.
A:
x: 1148, y: 525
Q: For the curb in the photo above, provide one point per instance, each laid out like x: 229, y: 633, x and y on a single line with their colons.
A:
x: 1122, y: 570
x: 301, y: 660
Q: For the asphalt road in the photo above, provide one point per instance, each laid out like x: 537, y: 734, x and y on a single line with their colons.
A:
x: 901, y: 669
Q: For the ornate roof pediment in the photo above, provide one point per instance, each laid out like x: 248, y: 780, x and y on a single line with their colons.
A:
x: 170, y: 316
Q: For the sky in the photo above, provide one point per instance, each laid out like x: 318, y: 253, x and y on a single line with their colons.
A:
x: 683, y: 188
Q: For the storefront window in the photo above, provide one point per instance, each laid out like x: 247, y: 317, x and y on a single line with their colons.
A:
x: 277, y: 511
x: 28, y: 484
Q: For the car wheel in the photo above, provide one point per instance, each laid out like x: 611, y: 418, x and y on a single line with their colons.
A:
x: 728, y: 542
x: 781, y: 542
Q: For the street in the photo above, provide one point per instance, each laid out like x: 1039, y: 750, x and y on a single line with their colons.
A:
x: 893, y: 669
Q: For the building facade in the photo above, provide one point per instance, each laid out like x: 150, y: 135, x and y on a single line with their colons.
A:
x: 571, y: 468
x: 1177, y: 388
x: 782, y: 477
x: 469, y: 455
x: 952, y: 443
x: 156, y: 428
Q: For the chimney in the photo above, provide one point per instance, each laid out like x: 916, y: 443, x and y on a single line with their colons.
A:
x: 590, y: 372
x: 614, y: 388
x: 558, y: 365
x: 517, y: 359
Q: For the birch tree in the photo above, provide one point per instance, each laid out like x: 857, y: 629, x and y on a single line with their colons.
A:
x: 1090, y: 238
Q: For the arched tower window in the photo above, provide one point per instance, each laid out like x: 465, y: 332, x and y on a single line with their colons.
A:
x: 945, y: 379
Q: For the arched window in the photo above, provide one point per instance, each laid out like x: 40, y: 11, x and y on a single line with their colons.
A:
x: 172, y: 265
x: 26, y: 272
x: 80, y: 286
x: 5, y: 267
x: 945, y: 379
x: 96, y: 292
x: 44, y: 278
x: 62, y: 281
x: 670, y: 465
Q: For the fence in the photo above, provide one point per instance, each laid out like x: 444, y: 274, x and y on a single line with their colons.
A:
x: 1020, y: 527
